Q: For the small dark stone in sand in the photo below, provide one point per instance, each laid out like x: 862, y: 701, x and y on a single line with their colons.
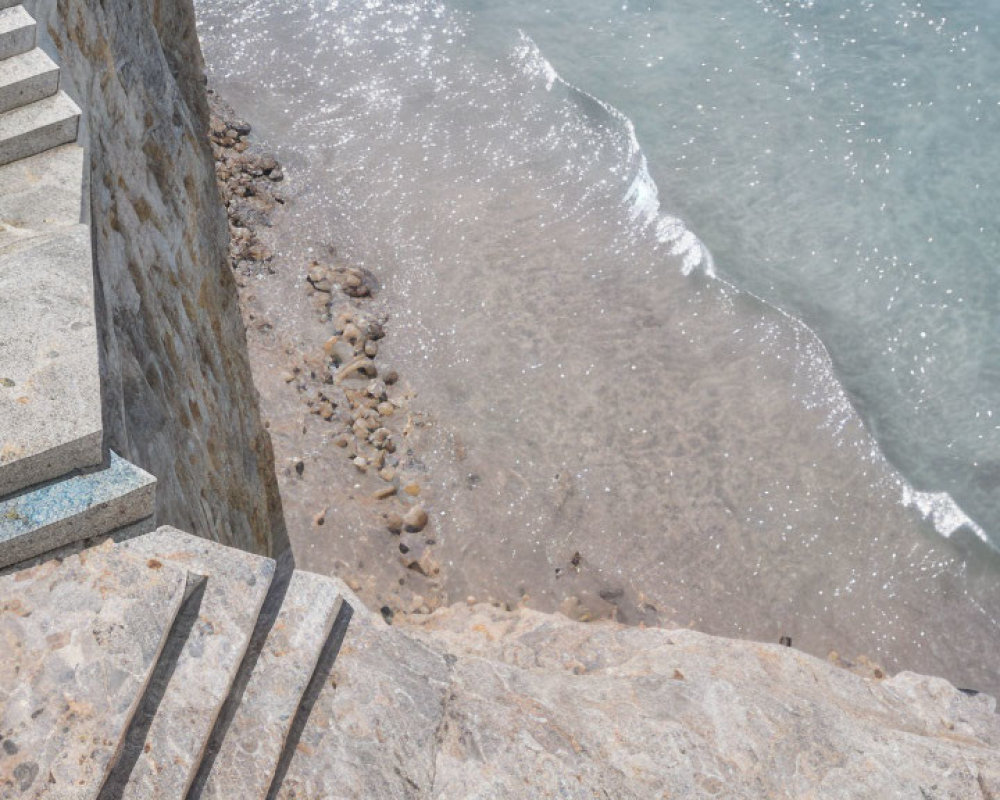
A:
x: 390, y: 377
x: 786, y: 641
x: 576, y: 559
x: 300, y: 467
x: 610, y: 595
x: 386, y: 613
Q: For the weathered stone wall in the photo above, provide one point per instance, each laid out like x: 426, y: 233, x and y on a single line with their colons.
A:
x: 179, y: 399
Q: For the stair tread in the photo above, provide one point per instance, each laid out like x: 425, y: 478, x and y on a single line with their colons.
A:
x: 27, y: 78
x: 76, y: 508
x: 38, y: 126
x: 42, y: 190
x: 255, y: 739
x: 211, y: 657
x: 81, y: 638
x: 17, y: 31
x: 50, y: 394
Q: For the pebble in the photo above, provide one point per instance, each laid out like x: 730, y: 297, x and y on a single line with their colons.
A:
x: 376, y: 389
x: 387, y: 474
x: 412, y: 489
x: 341, y: 440
x: 386, y: 409
x: 415, y: 519
x: 352, y: 333
x: 390, y: 377
x: 394, y: 522
x: 320, y: 518
x: 371, y: 349
x: 361, y: 463
x: 300, y: 466
x: 384, y: 492
x: 344, y: 319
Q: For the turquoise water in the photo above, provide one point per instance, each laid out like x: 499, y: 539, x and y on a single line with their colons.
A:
x: 842, y: 161
x: 598, y: 227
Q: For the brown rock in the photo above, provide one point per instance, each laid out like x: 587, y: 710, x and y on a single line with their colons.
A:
x: 415, y: 519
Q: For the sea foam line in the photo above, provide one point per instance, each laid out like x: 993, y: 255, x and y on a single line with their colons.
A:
x: 643, y: 198
x: 643, y: 195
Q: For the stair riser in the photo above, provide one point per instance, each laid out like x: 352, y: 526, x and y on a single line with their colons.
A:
x: 17, y: 41
x: 39, y: 140
x: 37, y: 87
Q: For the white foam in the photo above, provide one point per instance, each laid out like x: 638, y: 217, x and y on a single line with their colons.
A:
x: 942, y: 511
x: 643, y: 195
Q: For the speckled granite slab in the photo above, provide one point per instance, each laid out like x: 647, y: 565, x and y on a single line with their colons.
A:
x: 74, y: 509
x: 79, y: 638
x: 237, y: 585
x: 41, y: 191
x: 50, y: 394
x: 256, y: 737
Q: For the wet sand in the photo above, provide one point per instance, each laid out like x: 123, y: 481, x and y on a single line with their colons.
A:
x: 686, y: 524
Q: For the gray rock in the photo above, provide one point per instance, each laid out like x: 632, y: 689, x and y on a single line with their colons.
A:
x: 80, y: 637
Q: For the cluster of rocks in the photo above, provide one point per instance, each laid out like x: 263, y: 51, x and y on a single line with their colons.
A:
x: 247, y: 182
x: 344, y: 384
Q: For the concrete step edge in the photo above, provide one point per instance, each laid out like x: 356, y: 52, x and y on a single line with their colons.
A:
x: 75, y: 508
x: 296, y: 651
x: 27, y: 78
x: 213, y: 656
x: 37, y: 127
x: 18, y: 31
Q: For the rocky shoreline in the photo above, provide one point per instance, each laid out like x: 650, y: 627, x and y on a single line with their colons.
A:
x: 359, y: 404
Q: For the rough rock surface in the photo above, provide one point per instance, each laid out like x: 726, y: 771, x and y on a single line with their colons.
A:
x: 478, y: 702
x: 178, y: 395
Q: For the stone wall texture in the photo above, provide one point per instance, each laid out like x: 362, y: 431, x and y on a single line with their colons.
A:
x: 179, y: 399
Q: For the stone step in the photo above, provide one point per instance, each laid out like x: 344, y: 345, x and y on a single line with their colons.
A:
x: 74, y: 509
x: 292, y: 659
x: 50, y: 394
x: 18, y: 32
x: 27, y: 78
x: 81, y: 638
x: 41, y: 191
x: 38, y: 127
x: 161, y: 763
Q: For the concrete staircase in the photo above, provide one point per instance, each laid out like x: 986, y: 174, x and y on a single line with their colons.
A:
x: 137, y: 663
x: 58, y: 483
x: 158, y: 666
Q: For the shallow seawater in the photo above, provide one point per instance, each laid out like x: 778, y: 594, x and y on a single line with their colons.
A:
x: 596, y: 396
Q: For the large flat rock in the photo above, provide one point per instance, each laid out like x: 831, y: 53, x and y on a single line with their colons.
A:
x: 79, y: 638
x: 42, y: 191
x: 208, y: 663
x: 246, y: 762
x: 50, y: 394
x: 74, y: 509
x: 481, y: 703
